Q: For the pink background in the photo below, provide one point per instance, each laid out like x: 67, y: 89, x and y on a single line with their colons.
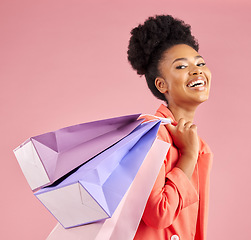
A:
x: 64, y: 62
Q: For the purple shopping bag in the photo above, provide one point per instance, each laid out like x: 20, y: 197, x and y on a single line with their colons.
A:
x: 94, y: 191
x: 47, y: 157
x: 125, y: 220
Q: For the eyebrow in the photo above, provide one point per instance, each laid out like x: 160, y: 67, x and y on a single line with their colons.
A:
x: 182, y: 59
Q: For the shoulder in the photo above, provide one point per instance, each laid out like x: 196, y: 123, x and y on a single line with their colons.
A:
x: 204, y: 148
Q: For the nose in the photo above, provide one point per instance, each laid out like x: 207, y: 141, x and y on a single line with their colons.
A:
x: 195, y: 71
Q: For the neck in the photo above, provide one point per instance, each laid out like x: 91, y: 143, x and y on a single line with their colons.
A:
x: 180, y: 112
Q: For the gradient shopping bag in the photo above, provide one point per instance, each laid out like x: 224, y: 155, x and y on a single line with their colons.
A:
x: 94, y: 191
x: 47, y: 157
x: 125, y: 220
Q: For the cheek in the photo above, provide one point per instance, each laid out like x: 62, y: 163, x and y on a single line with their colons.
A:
x: 176, y: 89
x: 175, y: 80
x: 179, y: 77
x: 208, y: 74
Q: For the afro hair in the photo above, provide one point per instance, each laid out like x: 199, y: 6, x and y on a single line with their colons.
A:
x: 150, y: 40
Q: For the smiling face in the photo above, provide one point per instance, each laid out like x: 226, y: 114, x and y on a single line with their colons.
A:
x: 185, y: 79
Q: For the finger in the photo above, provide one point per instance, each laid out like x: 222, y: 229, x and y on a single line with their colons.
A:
x: 181, y: 122
x: 193, y: 126
x: 188, y: 124
x: 170, y: 127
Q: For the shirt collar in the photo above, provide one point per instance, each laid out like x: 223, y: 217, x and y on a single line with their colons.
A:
x: 163, y: 111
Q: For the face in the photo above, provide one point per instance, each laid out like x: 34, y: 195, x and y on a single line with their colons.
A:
x: 185, y: 78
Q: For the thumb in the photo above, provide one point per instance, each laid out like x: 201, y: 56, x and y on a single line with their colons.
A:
x: 170, y: 127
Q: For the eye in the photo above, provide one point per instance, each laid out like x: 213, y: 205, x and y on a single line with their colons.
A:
x: 181, y: 67
x: 201, y: 64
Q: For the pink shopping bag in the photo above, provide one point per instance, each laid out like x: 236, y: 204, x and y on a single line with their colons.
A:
x: 46, y: 158
x: 125, y: 220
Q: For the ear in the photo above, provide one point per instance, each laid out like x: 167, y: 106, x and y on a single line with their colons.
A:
x: 161, y: 85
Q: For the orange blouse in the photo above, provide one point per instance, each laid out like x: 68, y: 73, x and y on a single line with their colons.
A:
x: 177, y: 208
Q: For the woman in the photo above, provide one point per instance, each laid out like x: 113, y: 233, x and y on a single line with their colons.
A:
x: 164, y: 50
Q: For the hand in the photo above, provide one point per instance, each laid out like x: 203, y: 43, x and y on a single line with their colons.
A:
x: 185, y: 137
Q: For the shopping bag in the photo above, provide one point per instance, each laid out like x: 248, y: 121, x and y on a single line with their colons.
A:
x: 125, y: 220
x: 95, y: 190
x: 47, y: 157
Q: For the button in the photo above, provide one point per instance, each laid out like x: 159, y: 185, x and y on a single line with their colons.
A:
x: 175, y: 237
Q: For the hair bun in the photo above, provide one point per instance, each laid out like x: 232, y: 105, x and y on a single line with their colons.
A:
x: 156, y: 31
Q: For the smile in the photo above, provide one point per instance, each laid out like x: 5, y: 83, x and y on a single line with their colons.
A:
x: 196, y: 83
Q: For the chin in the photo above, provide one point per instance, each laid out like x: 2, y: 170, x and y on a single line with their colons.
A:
x: 200, y: 99
x: 203, y: 99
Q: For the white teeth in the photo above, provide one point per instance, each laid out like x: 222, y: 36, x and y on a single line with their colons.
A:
x: 195, y: 83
